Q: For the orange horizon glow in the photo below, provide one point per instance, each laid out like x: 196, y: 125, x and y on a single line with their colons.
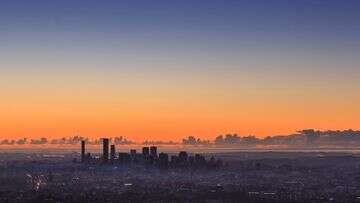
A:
x: 157, y: 109
x: 169, y: 120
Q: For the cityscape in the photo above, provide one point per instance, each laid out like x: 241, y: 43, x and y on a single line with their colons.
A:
x: 148, y: 158
x: 150, y: 176
x: 173, y: 101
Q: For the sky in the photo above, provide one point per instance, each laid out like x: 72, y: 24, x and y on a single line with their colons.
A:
x: 164, y: 70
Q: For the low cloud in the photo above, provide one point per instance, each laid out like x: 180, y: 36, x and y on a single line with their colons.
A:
x: 40, y: 141
x: 21, y: 141
x: 147, y: 142
x: 7, y: 142
x: 307, y: 137
x: 191, y: 140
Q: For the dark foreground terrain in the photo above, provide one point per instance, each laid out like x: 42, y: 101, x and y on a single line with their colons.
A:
x: 245, y: 177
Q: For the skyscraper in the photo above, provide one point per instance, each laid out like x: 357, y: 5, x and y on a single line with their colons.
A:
x: 183, y: 157
x: 82, y: 150
x: 105, y: 150
x: 112, y: 153
x: 133, y: 152
x: 145, y: 151
x: 153, y: 151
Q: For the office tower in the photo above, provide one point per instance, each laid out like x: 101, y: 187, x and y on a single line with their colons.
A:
x: 153, y: 152
x: 145, y: 151
x: 183, y: 157
x: 163, y: 160
x: 112, y: 153
x: 105, y: 150
x: 133, y: 152
x: 82, y: 151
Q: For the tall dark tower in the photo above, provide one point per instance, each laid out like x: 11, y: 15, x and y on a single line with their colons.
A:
x: 112, y: 153
x: 82, y: 151
x: 133, y: 152
x: 145, y: 151
x: 105, y: 150
x: 153, y: 152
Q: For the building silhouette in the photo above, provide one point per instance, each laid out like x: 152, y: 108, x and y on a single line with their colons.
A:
x: 82, y: 151
x: 105, y: 156
x: 153, y: 152
x: 112, y: 153
x: 133, y: 152
x: 148, y: 158
x: 183, y: 156
x: 146, y: 151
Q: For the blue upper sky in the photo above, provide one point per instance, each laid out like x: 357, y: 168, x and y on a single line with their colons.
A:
x: 181, y: 30
x: 307, y: 22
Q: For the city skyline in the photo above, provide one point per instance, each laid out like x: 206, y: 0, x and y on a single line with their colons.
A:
x: 164, y: 71
x: 179, y: 101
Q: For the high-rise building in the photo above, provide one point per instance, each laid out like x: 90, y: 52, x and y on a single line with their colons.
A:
x: 163, y: 160
x: 153, y: 151
x: 82, y: 150
x: 183, y: 156
x: 132, y: 152
x: 145, y: 151
x: 105, y: 150
x: 112, y: 153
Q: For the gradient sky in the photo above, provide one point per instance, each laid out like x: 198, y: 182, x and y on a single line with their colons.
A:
x: 163, y: 70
